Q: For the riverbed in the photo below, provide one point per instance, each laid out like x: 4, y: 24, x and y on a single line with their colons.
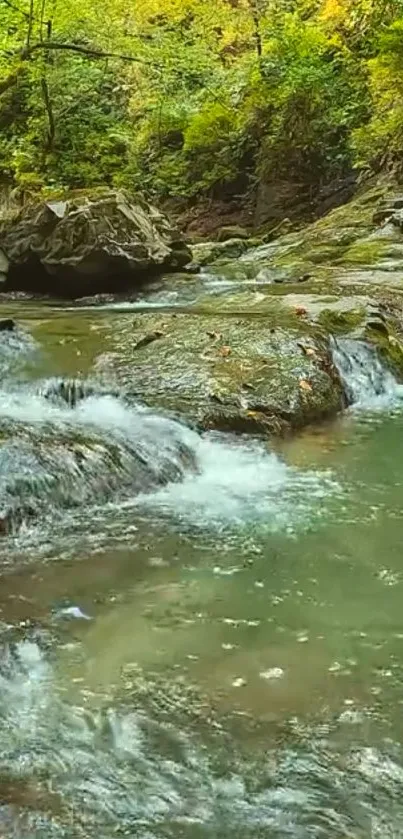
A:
x: 216, y: 651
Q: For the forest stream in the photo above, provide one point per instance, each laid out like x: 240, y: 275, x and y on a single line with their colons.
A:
x: 201, y: 633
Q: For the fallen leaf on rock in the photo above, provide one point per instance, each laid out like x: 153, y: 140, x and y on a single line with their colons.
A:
x: 304, y: 385
x: 225, y: 351
x: 300, y: 311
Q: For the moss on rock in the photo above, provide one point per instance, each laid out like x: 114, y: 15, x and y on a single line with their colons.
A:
x: 232, y: 373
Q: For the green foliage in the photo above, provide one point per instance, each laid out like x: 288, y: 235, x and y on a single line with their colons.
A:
x: 380, y: 142
x: 307, y: 99
x: 220, y: 95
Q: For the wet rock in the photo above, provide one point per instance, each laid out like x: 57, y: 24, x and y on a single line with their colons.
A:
x: 234, y: 373
x: 382, y: 214
x: 192, y: 268
x: 378, y: 325
x: 88, y: 244
x: 389, y: 214
x: 397, y: 219
x: 387, y: 207
x: 281, y: 229
x: 209, y: 252
x: 71, y: 462
x: 3, y: 267
x: 232, y: 231
x: 13, y: 515
x: 7, y: 325
x: 72, y: 391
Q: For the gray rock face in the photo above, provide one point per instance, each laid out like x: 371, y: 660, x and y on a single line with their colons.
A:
x: 86, y: 244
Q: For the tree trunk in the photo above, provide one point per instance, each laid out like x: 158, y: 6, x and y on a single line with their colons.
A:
x: 256, y: 28
x: 49, y: 112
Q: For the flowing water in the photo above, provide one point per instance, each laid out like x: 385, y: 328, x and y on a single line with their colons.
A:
x: 201, y: 637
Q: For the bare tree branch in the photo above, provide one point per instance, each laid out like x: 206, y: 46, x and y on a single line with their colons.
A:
x: 87, y: 51
x: 49, y: 112
x: 30, y: 23
x: 48, y: 46
x: 16, y: 9
x: 42, y: 19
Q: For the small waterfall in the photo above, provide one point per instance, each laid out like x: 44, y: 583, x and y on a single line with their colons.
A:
x: 367, y: 382
x: 16, y: 348
x: 71, y: 391
x: 61, y: 451
x: 76, y: 450
x: 64, y: 447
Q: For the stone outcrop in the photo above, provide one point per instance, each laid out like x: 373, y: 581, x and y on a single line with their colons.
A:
x: 87, y: 244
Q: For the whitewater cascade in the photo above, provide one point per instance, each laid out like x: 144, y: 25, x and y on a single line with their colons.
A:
x: 367, y: 382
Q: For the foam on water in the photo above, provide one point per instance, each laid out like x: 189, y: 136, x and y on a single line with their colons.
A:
x: 240, y: 481
x: 53, y: 456
x: 99, y: 449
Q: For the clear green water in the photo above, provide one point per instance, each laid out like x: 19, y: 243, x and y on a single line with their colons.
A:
x: 241, y: 671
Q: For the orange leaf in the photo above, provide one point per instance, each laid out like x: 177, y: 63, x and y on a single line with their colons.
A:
x: 309, y: 351
x: 304, y: 385
x: 225, y: 351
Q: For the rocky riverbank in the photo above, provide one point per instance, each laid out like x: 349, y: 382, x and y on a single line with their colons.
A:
x: 85, y: 243
x: 244, y: 343
x: 250, y: 346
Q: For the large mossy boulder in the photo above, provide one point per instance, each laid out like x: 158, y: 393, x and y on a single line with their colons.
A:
x: 87, y: 244
x: 227, y: 373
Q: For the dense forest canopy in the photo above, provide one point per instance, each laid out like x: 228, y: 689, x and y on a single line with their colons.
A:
x: 190, y: 97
